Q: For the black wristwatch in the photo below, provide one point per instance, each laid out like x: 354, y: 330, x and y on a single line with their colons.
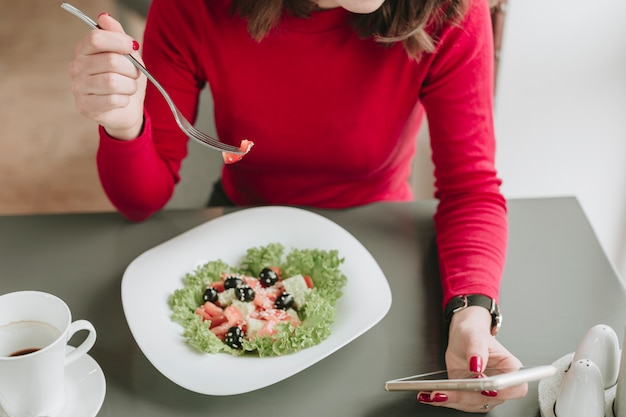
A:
x: 461, y: 302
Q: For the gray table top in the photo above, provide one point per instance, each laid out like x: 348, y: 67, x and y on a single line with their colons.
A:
x: 557, y: 284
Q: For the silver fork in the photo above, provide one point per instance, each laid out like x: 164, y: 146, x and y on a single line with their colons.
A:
x: 182, y: 122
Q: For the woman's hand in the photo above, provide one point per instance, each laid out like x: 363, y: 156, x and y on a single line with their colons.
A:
x: 107, y: 87
x: 471, y: 347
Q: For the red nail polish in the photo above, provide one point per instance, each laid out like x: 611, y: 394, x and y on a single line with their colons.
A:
x: 424, y: 397
x: 440, y: 398
x: 489, y: 393
x: 476, y: 364
x: 104, y: 14
x: 135, y: 45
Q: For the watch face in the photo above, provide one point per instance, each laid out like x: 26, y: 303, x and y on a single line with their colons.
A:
x: 496, y: 323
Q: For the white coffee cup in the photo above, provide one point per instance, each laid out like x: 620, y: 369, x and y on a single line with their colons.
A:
x: 35, y: 328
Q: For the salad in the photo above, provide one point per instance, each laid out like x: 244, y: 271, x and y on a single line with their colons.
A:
x: 270, y: 304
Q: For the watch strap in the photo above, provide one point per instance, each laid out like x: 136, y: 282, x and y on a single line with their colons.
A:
x: 461, y: 302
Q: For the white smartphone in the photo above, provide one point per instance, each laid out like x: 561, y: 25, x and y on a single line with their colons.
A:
x: 490, y: 380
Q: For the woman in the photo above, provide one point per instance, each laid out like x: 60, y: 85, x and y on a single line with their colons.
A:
x: 332, y: 93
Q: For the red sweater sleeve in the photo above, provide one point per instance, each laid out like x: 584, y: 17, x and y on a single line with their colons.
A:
x: 134, y: 177
x: 471, y: 219
x: 139, y: 176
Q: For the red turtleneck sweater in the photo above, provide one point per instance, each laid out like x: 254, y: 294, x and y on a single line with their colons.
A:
x: 334, y: 119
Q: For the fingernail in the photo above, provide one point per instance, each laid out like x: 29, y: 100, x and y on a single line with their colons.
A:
x: 135, y: 45
x: 476, y: 364
x: 489, y: 393
x: 424, y: 397
x: 437, y: 398
x: 104, y: 14
x: 440, y: 398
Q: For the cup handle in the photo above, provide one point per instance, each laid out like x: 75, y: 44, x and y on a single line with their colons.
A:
x: 87, y: 344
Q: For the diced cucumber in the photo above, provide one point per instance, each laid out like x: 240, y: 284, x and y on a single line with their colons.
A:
x: 296, y: 286
x: 254, y: 325
x: 226, y: 297
x: 245, y: 308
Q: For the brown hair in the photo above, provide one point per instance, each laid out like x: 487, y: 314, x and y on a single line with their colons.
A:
x: 395, y: 21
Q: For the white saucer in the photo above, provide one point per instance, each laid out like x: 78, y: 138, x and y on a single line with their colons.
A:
x: 85, y: 388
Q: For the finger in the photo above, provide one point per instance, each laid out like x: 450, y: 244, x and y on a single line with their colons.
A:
x: 95, y: 106
x: 110, y: 83
x: 517, y: 391
x: 110, y: 38
x: 467, y: 401
x: 489, y: 393
x: 108, y: 62
x: 504, y: 360
x: 98, y: 41
x: 429, y: 397
x: 482, y: 408
x: 108, y: 23
x: 101, y: 77
x: 477, y: 355
x: 477, y: 349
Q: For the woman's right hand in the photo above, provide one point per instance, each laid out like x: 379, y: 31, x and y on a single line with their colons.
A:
x: 107, y: 87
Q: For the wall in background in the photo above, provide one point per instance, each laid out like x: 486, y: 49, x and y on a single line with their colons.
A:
x: 561, y: 109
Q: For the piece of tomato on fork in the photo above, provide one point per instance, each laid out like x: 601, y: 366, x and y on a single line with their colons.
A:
x: 231, y: 158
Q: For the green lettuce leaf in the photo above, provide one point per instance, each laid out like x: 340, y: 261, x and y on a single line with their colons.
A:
x: 317, y: 315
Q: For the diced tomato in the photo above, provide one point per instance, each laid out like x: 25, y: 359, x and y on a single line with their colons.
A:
x: 212, y: 309
x: 220, y: 330
x: 272, y: 318
x: 254, y: 283
x: 202, y: 313
x: 309, y: 281
x: 262, y: 301
x: 268, y: 328
x: 231, y: 158
x: 275, y: 314
x: 218, y: 285
x: 274, y: 292
x: 218, y: 320
x: 265, y: 298
x: 278, y: 271
x: 233, y: 317
x: 208, y: 311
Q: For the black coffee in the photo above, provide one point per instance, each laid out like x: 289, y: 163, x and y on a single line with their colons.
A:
x: 24, y: 351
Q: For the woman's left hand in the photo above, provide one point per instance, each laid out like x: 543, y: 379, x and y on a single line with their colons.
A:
x: 471, y: 347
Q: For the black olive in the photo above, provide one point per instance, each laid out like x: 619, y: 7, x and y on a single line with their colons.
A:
x: 243, y: 292
x: 234, y: 337
x: 210, y: 294
x: 284, y: 301
x: 268, y: 277
x: 232, y: 282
